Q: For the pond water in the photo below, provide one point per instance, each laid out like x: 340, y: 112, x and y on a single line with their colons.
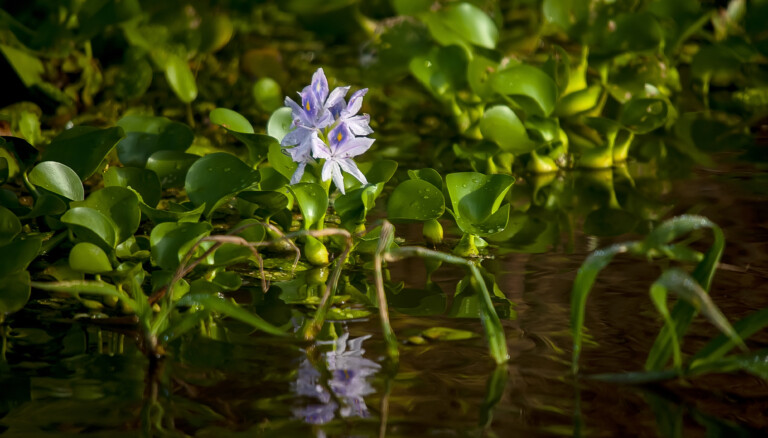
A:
x: 65, y: 379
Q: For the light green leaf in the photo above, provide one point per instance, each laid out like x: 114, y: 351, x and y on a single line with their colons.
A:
x: 57, y: 178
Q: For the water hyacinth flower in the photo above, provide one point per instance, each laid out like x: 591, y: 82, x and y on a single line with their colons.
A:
x: 326, y: 127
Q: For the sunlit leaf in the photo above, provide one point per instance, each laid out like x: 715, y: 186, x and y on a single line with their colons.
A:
x: 180, y: 78
x: 502, y: 126
x: 120, y: 205
x: 533, y: 89
x: 57, y: 178
x: 231, y: 120
x: 313, y: 202
x: 417, y: 200
x: 90, y: 225
x: 89, y: 258
x: 462, y: 23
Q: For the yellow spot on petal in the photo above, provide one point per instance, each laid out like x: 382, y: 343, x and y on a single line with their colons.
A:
x: 307, y: 105
x: 339, y: 137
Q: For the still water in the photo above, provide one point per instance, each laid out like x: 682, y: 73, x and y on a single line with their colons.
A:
x: 65, y: 379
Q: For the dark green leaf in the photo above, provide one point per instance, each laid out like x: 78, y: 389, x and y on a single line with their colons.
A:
x: 144, y: 181
x: 216, y: 178
x: 83, y: 148
x: 120, y: 205
x: 171, y: 167
x: 146, y: 135
x: 14, y: 292
x: 417, y: 200
x: 10, y: 226
x: 171, y: 241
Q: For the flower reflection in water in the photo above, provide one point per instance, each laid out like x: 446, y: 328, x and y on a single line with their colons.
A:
x: 348, y: 373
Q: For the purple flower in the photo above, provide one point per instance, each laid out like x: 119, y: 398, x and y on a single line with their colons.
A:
x: 319, y: 113
x: 343, y: 146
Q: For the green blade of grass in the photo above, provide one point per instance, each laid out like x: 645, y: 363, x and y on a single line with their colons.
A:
x: 683, y: 312
x: 582, y: 285
x: 721, y: 345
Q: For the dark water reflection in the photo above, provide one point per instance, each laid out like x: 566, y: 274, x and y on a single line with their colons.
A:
x: 63, y: 379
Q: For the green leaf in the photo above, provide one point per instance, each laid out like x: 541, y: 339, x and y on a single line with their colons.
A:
x: 684, y: 286
x: 258, y: 145
x: 59, y: 179
x: 133, y: 79
x: 313, y: 202
x: 171, y: 167
x: 643, y: 115
x: 28, y: 68
x: 89, y: 258
x: 354, y: 206
x: 411, y: 7
x: 144, y: 181
x: 120, y: 205
x: 228, y: 308
x: 17, y: 255
x: 582, y: 285
x: 269, y: 202
x: 146, y: 135
x: 529, y: 86
x: 462, y: 23
x: 267, y: 94
x: 180, y: 78
x: 90, y: 225
x: 170, y: 241
x: 14, y: 292
x: 476, y: 200
x: 180, y: 214
x: 429, y: 175
x: 502, y: 126
x: 83, y: 148
x: 721, y: 345
x: 4, y: 170
x: 231, y: 120
x: 282, y: 163
x: 10, y: 226
x: 216, y: 178
x: 280, y: 123
x: 22, y: 154
x: 376, y: 172
x: 416, y: 200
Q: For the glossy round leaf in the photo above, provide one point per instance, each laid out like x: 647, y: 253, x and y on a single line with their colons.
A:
x: 476, y: 200
x: 144, y: 181
x: 17, y: 255
x: 462, y: 22
x: 313, y: 202
x: 416, y: 200
x: 231, y: 120
x: 215, y: 178
x: 57, y: 178
x: 14, y: 292
x: 170, y: 241
x: 429, y: 175
x: 180, y: 78
x: 283, y: 163
x: 83, y: 148
x: 120, y: 205
x: 171, y: 167
x: 269, y: 201
x: 532, y: 89
x: 280, y: 123
x: 10, y: 226
x: 146, y: 135
x: 88, y: 258
x: 90, y: 225
x: 158, y: 216
x: 502, y: 126
x: 267, y: 94
x: 258, y: 145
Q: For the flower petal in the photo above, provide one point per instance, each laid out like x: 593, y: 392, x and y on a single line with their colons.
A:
x: 338, y: 178
x: 296, y: 136
x: 339, y: 136
x: 337, y: 96
x: 296, y: 177
x: 359, y: 125
x: 350, y: 167
x: 354, y: 104
x: 353, y: 147
x: 319, y: 148
x: 320, y: 85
